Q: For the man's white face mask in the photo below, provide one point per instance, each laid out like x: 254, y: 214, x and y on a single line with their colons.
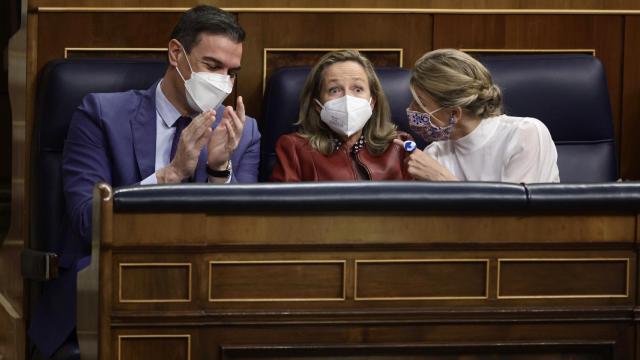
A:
x: 205, y: 90
x: 346, y: 115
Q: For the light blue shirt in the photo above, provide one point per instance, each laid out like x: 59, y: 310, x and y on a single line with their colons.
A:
x: 166, y: 116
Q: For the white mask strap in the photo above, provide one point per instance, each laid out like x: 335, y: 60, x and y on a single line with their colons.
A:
x: 186, y: 56
x: 190, y: 68
x: 319, y: 103
x: 424, y: 108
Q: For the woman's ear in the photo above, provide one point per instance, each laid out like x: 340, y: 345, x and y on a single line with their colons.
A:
x: 373, y: 102
x: 456, y: 112
x: 174, y: 51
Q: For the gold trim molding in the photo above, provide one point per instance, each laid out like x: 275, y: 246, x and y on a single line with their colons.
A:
x: 266, y: 51
x: 155, y: 336
x: 105, y: 49
x: 532, y: 51
x: 486, y: 286
x: 278, y: 262
x: 586, y: 296
x: 124, y: 301
x: 80, y: 9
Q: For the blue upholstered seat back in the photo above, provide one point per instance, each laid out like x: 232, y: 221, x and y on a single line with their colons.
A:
x: 63, y: 84
x: 567, y: 92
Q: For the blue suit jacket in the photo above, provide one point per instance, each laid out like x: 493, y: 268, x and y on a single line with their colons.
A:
x: 112, y: 139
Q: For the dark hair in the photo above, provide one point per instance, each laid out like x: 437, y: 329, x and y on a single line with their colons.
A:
x: 206, y: 19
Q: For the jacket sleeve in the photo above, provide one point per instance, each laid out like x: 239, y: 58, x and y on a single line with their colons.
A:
x: 246, y: 170
x: 85, y: 162
x: 287, y: 167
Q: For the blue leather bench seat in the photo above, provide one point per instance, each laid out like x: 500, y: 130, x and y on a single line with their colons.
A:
x: 377, y: 197
x: 327, y: 196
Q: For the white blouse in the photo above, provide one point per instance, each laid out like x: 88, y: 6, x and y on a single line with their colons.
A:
x: 501, y: 148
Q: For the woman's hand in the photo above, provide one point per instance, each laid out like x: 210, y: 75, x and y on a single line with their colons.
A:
x: 423, y: 167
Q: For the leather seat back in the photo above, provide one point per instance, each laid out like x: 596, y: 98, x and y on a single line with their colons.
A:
x: 569, y: 94
x: 62, y: 85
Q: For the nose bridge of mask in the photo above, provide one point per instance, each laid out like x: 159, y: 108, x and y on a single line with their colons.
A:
x: 222, y: 82
x: 338, y: 105
x: 345, y: 115
x: 356, y: 103
x: 344, y: 103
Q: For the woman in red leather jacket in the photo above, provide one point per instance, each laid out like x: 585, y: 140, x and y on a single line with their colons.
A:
x: 344, y: 127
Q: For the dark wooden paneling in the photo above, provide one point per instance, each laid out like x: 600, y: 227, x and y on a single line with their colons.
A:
x: 154, y: 346
x: 512, y: 351
x: 8, y: 24
x: 568, y: 278
x: 101, y: 30
x: 630, y: 142
x: 397, y: 340
x: 366, y: 4
x: 164, y: 230
x: 117, y: 54
x: 429, y: 279
x: 154, y: 282
x: 5, y: 210
x: 531, y: 32
x: 294, y: 30
x: 276, y: 281
x: 12, y: 313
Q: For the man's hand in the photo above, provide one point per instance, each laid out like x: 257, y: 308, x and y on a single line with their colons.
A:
x: 192, y: 139
x: 226, y: 136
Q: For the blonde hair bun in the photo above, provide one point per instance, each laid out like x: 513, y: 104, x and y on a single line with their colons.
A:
x: 455, y: 79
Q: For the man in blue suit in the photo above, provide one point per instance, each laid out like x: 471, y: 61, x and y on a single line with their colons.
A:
x: 176, y: 131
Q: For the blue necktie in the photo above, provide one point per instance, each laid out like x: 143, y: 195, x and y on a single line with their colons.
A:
x: 180, y: 124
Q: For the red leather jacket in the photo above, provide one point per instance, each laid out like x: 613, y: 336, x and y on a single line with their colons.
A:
x: 298, y: 161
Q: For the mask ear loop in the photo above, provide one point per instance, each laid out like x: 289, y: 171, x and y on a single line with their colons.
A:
x: 188, y: 62
x: 319, y: 103
x: 417, y: 100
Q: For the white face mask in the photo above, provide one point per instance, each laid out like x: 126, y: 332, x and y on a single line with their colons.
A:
x: 205, y: 90
x: 346, y: 115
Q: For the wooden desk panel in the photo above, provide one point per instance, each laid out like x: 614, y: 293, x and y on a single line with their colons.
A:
x: 368, y: 285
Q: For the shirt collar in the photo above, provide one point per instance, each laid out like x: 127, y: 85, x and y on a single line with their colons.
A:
x: 165, y: 109
x: 478, y: 136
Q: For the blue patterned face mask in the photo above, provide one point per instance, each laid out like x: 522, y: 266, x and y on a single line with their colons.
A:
x: 421, y: 123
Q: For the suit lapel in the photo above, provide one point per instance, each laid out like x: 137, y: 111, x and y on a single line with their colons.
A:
x: 143, y: 127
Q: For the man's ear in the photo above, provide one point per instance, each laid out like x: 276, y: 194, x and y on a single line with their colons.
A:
x: 174, y: 52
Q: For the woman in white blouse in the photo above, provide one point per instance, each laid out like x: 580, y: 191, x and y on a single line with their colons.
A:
x: 458, y: 108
